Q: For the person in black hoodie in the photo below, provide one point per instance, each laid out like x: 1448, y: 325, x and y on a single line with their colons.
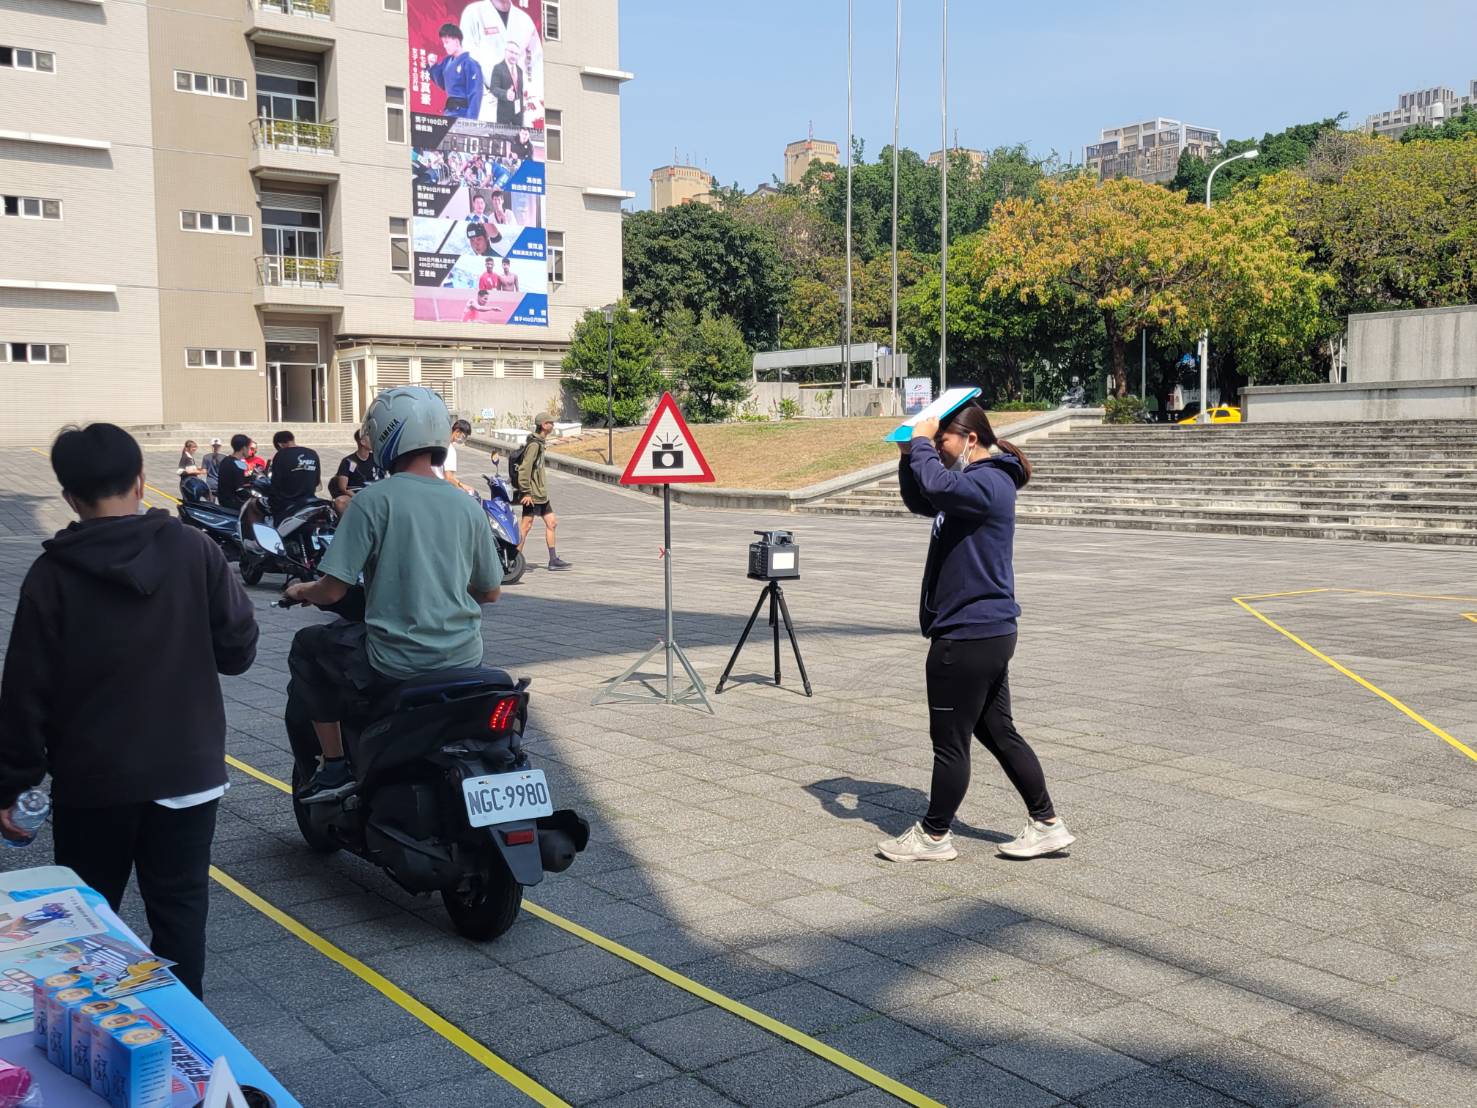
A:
x: 103, y: 688
x: 968, y: 612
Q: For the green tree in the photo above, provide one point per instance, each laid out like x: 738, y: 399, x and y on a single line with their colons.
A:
x: 710, y: 364
x: 1459, y: 126
x: 1286, y: 149
x: 1398, y: 228
x: 636, y: 379
x: 707, y: 261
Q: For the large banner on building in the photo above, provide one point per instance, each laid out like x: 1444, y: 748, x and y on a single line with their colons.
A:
x: 477, y: 157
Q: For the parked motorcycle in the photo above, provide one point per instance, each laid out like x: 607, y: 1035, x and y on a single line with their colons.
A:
x: 305, y: 534
x: 504, y: 523
x: 196, y: 509
x: 446, y: 800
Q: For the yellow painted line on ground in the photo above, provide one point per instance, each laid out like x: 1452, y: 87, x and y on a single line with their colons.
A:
x: 1470, y: 615
x: 1295, y: 592
x: 387, y: 988
x: 672, y: 977
x: 161, y: 492
x: 1444, y: 736
x: 1405, y: 595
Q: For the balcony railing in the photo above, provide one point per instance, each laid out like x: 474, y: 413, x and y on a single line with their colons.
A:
x: 279, y: 271
x: 295, y: 135
x: 307, y: 9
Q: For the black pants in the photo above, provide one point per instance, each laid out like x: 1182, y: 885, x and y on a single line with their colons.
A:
x: 969, y: 695
x: 170, y: 849
x: 331, y: 675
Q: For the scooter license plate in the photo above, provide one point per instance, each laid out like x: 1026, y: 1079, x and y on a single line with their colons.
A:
x: 506, y: 797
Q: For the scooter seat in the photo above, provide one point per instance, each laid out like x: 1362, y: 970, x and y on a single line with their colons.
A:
x: 444, y: 687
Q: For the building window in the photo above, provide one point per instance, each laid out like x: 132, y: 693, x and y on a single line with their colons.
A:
x: 394, y: 5
x: 394, y: 114
x: 15, y: 57
x: 213, y: 358
x: 553, y: 135
x: 555, y: 251
x: 206, y: 84
x: 33, y: 207
x: 34, y: 353
x: 399, y: 245
x: 551, y: 20
x: 215, y: 222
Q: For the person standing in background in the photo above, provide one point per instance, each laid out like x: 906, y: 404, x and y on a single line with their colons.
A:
x: 968, y: 613
x: 532, y: 489
x: 188, y: 467
x: 211, y: 464
x: 104, y: 688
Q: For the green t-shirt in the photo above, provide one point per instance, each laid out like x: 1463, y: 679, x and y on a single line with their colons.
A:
x: 419, y: 543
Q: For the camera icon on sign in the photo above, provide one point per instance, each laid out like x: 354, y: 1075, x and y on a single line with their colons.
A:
x: 667, y: 456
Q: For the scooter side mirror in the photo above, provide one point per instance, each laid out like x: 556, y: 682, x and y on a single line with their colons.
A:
x: 269, y: 540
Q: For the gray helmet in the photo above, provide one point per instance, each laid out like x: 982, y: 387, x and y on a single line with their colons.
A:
x: 404, y: 420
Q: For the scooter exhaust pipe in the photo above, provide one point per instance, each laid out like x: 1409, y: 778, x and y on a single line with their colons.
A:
x: 561, y: 837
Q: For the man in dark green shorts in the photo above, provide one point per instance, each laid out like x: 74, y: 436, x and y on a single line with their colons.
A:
x: 533, y: 488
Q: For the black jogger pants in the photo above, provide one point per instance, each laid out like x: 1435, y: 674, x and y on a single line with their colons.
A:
x: 969, y: 695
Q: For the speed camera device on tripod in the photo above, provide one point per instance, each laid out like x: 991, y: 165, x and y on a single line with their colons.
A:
x: 774, y: 557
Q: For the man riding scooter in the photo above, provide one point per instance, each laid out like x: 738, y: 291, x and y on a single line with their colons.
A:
x: 428, y: 561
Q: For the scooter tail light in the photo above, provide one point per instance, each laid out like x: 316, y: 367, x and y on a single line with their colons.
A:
x: 504, y: 712
x: 518, y: 838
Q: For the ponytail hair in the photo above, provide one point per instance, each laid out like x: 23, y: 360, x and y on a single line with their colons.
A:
x: 973, y: 418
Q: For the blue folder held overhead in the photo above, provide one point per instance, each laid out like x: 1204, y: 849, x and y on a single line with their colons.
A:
x: 945, y: 405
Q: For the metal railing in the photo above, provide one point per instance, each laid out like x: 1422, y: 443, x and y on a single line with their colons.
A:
x: 281, y: 271
x: 308, y: 9
x: 295, y: 134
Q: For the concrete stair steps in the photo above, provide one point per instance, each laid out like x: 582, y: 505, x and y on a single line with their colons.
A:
x: 1367, y: 515
x: 1044, y: 499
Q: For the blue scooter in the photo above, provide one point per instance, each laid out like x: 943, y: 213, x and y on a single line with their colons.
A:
x: 504, y: 523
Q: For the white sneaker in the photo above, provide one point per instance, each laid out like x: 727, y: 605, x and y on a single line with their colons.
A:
x: 917, y: 845
x: 1037, y: 838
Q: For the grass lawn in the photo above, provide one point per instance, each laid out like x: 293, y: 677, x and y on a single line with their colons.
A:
x: 781, y: 455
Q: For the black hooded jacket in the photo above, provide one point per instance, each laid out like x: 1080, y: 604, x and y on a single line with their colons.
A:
x: 110, y: 678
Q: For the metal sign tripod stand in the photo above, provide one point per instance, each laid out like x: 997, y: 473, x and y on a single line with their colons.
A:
x: 778, y: 610
x: 695, y: 693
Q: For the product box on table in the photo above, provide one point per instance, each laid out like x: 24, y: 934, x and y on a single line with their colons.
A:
x: 41, y: 992
x: 103, y: 1028
x: 83, y: 1019
x: 138, y: 1068
x: 59, y: 1011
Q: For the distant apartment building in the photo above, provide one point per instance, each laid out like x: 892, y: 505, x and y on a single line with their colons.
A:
x: 977, y: 158
x: 1149, y: 151
x: 207, y: 213
x: 800, y: 156
x: 1425, y: 107
x: 680, y: 184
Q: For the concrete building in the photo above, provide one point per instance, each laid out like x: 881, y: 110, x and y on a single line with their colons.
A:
x: 800, y: 156
x: 1150, y: 150
x: 1423, y: 107
x: 216, y: 229
x: 977, y: 158
x: 680, y: 184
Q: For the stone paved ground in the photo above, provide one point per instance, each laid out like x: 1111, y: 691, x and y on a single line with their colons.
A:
x: 1271, y: 900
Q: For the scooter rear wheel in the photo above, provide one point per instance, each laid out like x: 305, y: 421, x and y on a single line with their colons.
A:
x: 252, y: 569
x: 486, y: 907
x: 318, y: 842
x: 514, y: 572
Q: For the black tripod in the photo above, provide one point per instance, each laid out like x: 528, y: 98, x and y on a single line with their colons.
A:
x: 778, y: 610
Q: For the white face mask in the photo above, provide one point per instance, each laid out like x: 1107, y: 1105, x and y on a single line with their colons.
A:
x: 962, y: 462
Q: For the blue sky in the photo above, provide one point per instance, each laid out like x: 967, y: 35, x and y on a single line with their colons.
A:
x: 728, y: 84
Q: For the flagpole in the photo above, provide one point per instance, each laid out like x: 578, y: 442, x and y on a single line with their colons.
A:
x: 846, y: 338
x: 944, y: 207
x: 897, y: 88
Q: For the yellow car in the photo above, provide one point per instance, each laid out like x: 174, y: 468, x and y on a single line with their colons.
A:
x: 1221, y: 413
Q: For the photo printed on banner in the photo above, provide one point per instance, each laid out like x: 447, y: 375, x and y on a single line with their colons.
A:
x: 477, y: 161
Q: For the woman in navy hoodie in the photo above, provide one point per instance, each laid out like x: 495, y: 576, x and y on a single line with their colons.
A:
x: 968, y: 612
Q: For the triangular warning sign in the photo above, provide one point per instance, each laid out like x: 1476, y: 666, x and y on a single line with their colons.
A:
x: 667, y: 453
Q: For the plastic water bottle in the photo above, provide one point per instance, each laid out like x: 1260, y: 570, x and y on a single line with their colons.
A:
x: 30, y: 812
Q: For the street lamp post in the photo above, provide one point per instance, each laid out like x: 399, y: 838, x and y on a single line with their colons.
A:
x: 609, y: 312
x: 1204, y: 415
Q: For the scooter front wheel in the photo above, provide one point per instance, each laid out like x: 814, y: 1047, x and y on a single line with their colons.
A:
x: 484, y: 906
x: 514, y: 570
x: 252, y: 569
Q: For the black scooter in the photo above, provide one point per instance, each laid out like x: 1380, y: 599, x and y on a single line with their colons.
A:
x: 446, y: 800
x: 305, y: 532
x: 196, y: 509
